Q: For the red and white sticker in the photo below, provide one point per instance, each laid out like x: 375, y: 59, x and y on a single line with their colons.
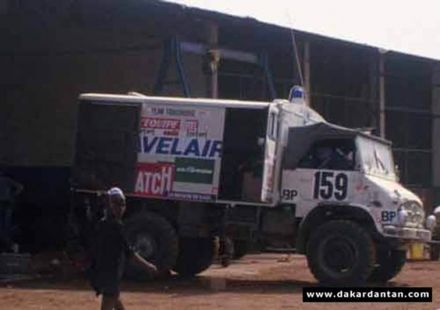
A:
x: 154, y: 179
x: 160, y: 123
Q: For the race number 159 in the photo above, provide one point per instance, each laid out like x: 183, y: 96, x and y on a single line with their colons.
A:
x: 330, y: 185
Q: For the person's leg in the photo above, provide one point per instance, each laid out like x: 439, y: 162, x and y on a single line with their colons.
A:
x: 4, y: 241
x: 8, y: 220
x: 109, y: 302
x: 119, y: 305
x: 5, y: 230
x: 8, y: 223
x: 2, y: 217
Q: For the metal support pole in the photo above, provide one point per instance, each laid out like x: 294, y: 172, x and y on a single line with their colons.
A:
x: 172, y: 49
x: 164, y: 65
x: 264, y: 63
x: 180, y: 70
x: 382, y: 93
x: 307, y: 72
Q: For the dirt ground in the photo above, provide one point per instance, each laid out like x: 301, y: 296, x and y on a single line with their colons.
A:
x: 266, y: 281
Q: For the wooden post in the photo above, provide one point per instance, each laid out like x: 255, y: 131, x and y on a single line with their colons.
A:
x: 382, y: 93
x: 214, y: 58
x: 373, y: 97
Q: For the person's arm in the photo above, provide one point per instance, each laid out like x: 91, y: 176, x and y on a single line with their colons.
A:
x: 137, y: 259
x: 149, y: 267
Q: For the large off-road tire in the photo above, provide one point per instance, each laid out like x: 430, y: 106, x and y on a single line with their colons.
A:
x: 195, y: 256
x: 434, y: 252
x: 389, y: 263
x: 241, y: 248
x: 341, y: 252
x: 155, y: 239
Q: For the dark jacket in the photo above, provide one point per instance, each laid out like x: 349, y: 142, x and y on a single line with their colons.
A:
x: 110, y: 251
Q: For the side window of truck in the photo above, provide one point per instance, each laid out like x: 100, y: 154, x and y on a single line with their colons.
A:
x: 337, y: 154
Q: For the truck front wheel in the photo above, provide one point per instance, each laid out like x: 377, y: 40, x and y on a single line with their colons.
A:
x: 340, y: 252
x: 195, y: 256
x: 389, y: 262
x: 155, y: 239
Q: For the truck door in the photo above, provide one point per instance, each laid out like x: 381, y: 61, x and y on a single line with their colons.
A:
x: 106, y: 145
x: 267, y: 188
x: 325, y: 174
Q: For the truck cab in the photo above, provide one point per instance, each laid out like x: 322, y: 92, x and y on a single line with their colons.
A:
x: 336, y: 166
x: 353, y: 218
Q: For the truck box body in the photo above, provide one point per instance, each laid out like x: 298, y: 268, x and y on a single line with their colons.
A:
x: 177, y: 149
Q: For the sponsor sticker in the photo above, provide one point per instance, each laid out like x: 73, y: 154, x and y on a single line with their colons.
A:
x: 179, y: 146
x: 191, y: 196
x: 179, y: 151
x: 190, y: 170
x: 154, y: 179
x: 160, y: 123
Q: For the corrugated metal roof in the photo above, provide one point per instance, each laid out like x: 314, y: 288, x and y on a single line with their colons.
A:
x: 389, y: 25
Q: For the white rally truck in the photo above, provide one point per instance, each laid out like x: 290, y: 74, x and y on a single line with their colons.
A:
x: 264, y: 174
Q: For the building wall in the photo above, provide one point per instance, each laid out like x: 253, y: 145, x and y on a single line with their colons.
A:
x: 408, y: 102
x: 344, y: 82
x: 40, y: 112
x: 43, y: 71
x: 436, y: 132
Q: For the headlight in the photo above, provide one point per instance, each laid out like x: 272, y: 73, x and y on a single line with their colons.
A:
x: 416, y: 214
x: 436, y: 213
x: 402, y: 217
x: 431, y: 221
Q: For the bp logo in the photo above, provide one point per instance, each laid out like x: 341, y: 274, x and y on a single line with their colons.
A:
x: 191, y: 170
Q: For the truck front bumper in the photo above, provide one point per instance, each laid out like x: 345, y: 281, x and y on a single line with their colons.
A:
x: 415, y: 234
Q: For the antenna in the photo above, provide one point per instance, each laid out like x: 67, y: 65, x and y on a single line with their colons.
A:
x: 298, y: 63
x: 295, y: 51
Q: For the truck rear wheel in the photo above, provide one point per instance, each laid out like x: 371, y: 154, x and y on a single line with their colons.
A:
x: 389, y: 263
x: 340, y: 252
x: 155, y: 239
x: 195, y: 256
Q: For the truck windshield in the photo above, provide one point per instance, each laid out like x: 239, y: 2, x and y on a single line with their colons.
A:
x: 376, y: 158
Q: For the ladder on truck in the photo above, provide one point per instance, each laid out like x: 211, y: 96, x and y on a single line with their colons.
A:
x: 173, y: 49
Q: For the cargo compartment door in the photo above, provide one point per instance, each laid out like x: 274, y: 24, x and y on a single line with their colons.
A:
x: 267, y: 188
x: 106, y: 145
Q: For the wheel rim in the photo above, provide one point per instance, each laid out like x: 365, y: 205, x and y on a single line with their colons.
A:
x: 338, y: 255
x: 145, y: 245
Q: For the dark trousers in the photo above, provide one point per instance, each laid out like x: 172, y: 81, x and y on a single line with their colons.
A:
x: 5, y: 225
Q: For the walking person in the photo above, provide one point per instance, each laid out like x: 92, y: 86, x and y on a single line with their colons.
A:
x: 110, y: 252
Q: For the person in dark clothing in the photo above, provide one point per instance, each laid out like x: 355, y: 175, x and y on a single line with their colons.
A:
x: 110, y: 252
x: 9, y: 190
x: 334, y: 158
